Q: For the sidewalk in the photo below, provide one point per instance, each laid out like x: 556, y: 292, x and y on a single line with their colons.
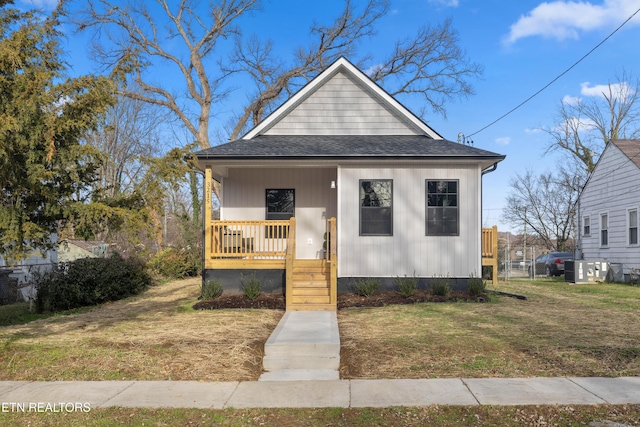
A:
x: 319, y: 394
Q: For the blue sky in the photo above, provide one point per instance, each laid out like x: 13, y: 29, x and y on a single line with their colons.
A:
x: 523, y: 45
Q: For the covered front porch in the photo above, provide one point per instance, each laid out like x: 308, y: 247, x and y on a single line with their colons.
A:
x: 290, y: 248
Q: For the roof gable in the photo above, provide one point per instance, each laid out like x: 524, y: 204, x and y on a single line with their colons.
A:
x: 342, y: 100
x: 615, y: 150
x: 630, y: 148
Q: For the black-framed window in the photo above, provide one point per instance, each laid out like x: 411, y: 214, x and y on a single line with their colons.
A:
x: 376, y: 207
x: 442, y: 208
x: 281, y: 205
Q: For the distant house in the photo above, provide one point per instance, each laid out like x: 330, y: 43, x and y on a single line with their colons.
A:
x: 19, y: 273
x: 608, y: 207
x: 72, y: 249
x: 343, y: 183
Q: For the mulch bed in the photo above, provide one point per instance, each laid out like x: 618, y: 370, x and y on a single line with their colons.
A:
x: 379, y: 299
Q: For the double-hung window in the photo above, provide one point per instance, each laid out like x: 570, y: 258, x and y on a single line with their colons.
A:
x: 376, y: 207
x: 604, y: 229
x: 586, y: 226
x: 442, y: 208
x: 632, y: 215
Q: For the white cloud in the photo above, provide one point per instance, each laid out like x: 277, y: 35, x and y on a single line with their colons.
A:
x: 532, y: 130
x: 562, y: 19
x: 504, y: 140
x: 43, y: 4
x: 571, y: 100
x: 446, y: 3
x: 373, y: 69
x: 580, y: 124
x: 619, y: 91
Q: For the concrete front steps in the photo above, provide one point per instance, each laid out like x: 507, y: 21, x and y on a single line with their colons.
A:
x: 304, y: 346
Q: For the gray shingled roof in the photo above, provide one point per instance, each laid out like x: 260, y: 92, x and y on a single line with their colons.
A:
x: 342, y: 147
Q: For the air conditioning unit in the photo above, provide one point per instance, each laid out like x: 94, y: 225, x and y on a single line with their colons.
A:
x: 583, y: 271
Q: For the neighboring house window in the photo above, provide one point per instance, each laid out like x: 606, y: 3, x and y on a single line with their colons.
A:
x: 633, y: 226
x: 376, y: 207
x: 604, y: 230
x: 586, y: 221
x: 442, y: 208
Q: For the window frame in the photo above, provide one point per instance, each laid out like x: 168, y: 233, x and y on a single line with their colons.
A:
x: 586, y: 226
x: 427, y: 207
x: 361, y: 207
x: 604, y: 230
x: 632, y: 227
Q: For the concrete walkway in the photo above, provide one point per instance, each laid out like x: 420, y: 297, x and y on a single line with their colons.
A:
x: 319, y: 394
x: 304, y: 346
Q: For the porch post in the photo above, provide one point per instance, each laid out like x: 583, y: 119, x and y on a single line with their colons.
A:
x: 289, y: 260
x: 333, y: 259
x: 208, y: 189
x: 494, y: 253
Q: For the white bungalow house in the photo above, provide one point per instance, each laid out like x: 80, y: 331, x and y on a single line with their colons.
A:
x: 608, y: 207
x: 340, y: 183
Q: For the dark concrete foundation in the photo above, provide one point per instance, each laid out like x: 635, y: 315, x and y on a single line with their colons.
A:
x: 346, y: 284
x: 273, y: 281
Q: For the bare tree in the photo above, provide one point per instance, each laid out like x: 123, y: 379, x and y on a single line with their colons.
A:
x: 583, y: 127
x: 545, y: 203
x: 430, y: 65
x: 140, y: 35
x: 185, y: 36
x: 129, y: 134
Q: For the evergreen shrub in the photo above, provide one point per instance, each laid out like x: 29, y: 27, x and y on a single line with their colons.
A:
x: 89, y: 281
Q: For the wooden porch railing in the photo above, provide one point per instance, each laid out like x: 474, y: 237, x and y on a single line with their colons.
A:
x: 490, y: 250
x: 250, y: 239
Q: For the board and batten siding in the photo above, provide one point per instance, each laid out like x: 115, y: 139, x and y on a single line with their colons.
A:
x: 613, y: 189
x: 342, y: 106
x: 244, y: 198
x: 409, y: 251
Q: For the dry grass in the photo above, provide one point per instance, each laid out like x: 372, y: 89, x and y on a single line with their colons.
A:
x: 155, y: 336
x: 562, y: 329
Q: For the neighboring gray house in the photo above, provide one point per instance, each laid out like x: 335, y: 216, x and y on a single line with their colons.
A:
x: 18, y: 274
x: 405, y: 200
x: 609, y: 205
x: 73, y: 249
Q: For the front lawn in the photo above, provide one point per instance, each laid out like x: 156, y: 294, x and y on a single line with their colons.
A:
x: 560, y: 330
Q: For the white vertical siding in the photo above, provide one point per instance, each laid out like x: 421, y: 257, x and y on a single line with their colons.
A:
x: 409, y: 250
x: 613, y: 188
x: 244, y: 199
x: 342, y: 106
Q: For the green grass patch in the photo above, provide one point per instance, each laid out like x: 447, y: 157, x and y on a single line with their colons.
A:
x: 436, y: 416
x: 21, y: 313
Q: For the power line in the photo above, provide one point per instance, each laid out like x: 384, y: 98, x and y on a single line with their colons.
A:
x: 558, y: 77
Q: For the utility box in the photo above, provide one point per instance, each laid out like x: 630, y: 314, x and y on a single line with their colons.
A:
x: 582, y: 271
x: 616, y: 273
